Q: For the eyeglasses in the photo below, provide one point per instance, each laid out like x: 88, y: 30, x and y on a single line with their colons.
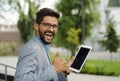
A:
x: 48, y: 25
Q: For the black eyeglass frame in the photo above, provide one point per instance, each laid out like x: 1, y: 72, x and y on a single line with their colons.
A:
x: 48, y: 25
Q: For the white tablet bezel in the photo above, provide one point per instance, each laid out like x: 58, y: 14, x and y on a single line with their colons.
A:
x: 84, y: 46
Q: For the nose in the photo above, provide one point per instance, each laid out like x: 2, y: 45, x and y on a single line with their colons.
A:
x: 51, y: 28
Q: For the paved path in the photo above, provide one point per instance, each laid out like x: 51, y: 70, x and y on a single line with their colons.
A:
x: 87, y: 77
x: 104, y: 55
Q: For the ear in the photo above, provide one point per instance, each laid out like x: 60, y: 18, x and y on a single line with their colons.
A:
x: 36, y: 26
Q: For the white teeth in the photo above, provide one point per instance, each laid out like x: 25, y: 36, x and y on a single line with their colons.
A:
x: 49, y: 34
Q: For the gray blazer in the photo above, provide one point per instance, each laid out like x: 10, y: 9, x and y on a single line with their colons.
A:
x: 34, y: 65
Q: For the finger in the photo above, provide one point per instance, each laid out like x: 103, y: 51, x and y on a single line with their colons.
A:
x: 57, y: 55
x: 65, y: 67
x: 73, y: 57
x: 71, y: 61
x: 64, y: 61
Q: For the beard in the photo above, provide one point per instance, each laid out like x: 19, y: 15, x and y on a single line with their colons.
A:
x: 46, y: 36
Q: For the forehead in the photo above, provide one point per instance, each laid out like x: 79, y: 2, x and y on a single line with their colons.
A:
x: 50, y: 19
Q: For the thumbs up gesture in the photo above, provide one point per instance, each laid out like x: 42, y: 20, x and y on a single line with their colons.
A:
x: 60, y: 64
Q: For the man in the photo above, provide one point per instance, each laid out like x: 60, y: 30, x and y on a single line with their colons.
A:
x: 34, y: 63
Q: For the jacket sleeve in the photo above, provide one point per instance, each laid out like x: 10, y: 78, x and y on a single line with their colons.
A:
x: 27, y: 69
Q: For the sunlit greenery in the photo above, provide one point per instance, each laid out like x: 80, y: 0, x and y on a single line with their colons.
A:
x: 73, y: 39
x: 111, y: 40
x: 80, y: 14
x: 7, y: 48
x: 102, y: 67
x: 97, y: 67
x: 27, y: 12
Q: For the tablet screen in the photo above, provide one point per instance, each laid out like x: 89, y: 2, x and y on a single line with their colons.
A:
x: 80, y: 58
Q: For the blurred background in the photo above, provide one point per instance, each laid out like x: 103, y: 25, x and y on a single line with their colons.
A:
x: 91, y: 22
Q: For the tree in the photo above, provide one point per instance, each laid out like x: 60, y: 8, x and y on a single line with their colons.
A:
x: 26, y: 20
x: 81, y: 14
x: 73, y: 39
x: 111, y: 40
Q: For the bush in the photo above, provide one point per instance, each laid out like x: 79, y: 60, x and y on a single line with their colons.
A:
x: 7, y: 48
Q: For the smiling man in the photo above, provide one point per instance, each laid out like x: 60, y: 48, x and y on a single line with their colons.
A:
x: 47, y: 29
x: 34, y: 63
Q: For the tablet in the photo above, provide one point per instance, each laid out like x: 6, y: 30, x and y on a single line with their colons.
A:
x: 80, y: 58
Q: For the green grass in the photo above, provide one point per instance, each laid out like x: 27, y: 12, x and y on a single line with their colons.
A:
x: 98, y: 67
x: 102, y: 67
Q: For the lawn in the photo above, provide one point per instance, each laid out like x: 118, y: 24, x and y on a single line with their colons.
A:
x: 102, y: 67
x: 98, y: 67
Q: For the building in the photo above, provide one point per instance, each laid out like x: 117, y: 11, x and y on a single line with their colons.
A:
x: 9, y: 33
x: 9, y: 40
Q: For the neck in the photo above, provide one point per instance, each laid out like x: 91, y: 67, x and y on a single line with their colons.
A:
x: 37, y: 33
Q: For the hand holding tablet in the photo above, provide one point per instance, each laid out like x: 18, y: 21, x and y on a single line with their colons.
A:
x: 80, y: 58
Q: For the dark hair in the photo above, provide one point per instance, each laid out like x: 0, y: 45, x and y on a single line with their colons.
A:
x: 45, y: 12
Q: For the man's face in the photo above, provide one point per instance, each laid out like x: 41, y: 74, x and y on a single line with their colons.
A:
x: 47, y: 29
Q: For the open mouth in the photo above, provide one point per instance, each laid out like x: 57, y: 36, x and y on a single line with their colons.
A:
x: 49, y: 34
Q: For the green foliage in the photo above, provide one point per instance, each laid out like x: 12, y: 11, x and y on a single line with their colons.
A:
x: 73, y: 39
x: 72, y: 15
x: 26, y: 19
x: 65, y: 22
x: 102, y: 67
x: 111, y: 41
x: 73, y: 34
x: 7, y: 48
